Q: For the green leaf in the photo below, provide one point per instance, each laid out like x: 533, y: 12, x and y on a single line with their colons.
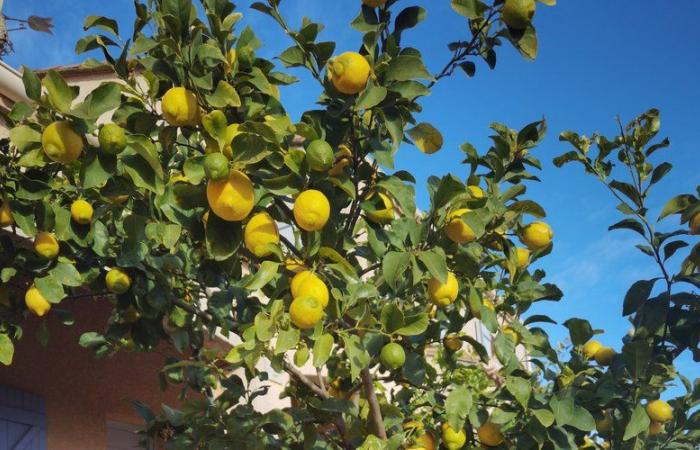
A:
x: 394, y: 265
x: 520, y: 388
x: 457, y: 406
x: 215, y: 123
x: 103, y: 23
x: 414, y: 325
x: 528, y: 207
x: 504, y: 347
x: 106, y: 97
x: 264, y: 327
x: 265, y: 274
x: 371, y: 96
x: 407, y: 67
x: 61, y: 95
x: 322, y: 349
x: 248, y: 149
x: 544, y: 416
x: 629, y: 224
x: 356, y: 353
x: 436, y: 263
x: 676, y: 205
x: 224, y: 95
x: 637, y: 294
x: 391, y: 318
x: 50, y: 288
x: 639, y: 422
x: 471, y: 9
x: 567, y: 412
x: 91, y: 339
x: 141, y: 173
x: 660, y: 172
x: 580, y: 331
x: 409, y: 18
x: 637, y: 355
x: 25, y: 137
x: 32, y: 83
x: 426, y: 137
x: 97, y: 169
x: 222, y: 238
x: 67, y: 274
x: 7, y: 349
x: 527, y: 44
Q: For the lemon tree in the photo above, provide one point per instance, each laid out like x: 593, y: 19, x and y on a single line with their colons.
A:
x: 200, y: 209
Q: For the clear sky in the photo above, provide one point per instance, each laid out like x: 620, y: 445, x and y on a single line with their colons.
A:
x: 598, y: 59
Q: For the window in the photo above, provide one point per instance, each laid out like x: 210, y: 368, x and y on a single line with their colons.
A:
x: 22, y: 420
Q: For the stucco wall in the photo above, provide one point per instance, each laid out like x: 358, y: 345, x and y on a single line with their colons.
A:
x: 81, y: 391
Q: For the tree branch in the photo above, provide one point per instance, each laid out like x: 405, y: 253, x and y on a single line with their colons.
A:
x: 374, y: 409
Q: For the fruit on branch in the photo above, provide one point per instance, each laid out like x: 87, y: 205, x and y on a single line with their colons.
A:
x: 6, y: 218
x: 305, y: 312
x: 453, y: 440
x: 81, y: 212
x: 231, y: 199
x: 659, y: 411
x: 604, y: 423
x: 512, y: 334
x: 261, y: 232
x: 490, y: 434
x: 311, y: 210
x: 523, y: 256
x: 117, y: 281
x: 590, y: 348
x: 443, y: 294
x: 46, y: 245
x: 36, y: 302
x: 61, y: 143
x: 457, y: 230
x: 216, y: 167
x: 319, y: 155
x: 537, y: 236
x: 392, y: 356
x: 308, y: 284
x: 452, y: 342
x: 604, y: 356
x: 349, y: 72
x: 112, y: 138
x: 180, y: 107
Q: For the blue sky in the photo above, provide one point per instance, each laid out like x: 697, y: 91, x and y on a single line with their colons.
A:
x: 598, y: 59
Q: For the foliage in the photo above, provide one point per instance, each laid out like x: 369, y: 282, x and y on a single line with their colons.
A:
x: 192, y: 279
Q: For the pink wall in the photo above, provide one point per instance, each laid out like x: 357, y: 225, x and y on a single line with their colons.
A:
x: 81, y: 391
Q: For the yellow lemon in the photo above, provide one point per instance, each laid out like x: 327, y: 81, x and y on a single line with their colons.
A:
x: 605, y: 423
x: 180, y: 107
x: 61, y: 143
x: 36, y: 302
x: 118, y: 281
x: 260, y: 231
x: 374, y: 3
x: 443, y: 294
x: 46, y: 245
x: 655, y: 428
x: 518, y: 13
x: 453, y: 440
x: 591, y: 347
x: 81, y: 212
x: 385, y: 214
x: 659, y: 411
x: 490, y: 434
x: 6, y: 218
x: 308, y: 284
x: 604, y: 356
x: 457, y: 230
x: 512, y: 334
x: 695, y: 224
x: 231, y: 199
x: 523, y: 255
x: 305, y: 312
x: 537, y: 235
x: 476, y: 191
x: 112, y: 138
x: 311, y: 210
x: 349, y: 72
x: 452, y: 342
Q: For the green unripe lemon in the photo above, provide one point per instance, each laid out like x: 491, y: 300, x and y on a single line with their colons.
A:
x: 392, y: 356
x: 319, y: 155
x: 112, y: 138
x: 216, y: 166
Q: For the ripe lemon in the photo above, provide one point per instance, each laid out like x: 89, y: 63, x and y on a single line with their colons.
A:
x: 476, y: 191
x: 112, y: 138
x: 518, y: 13
x: 424, y: 442
x: 490, y: 434
x: 46, y: 245
x: 231, y: 199
x: 36, y: 302
x: 308, y: 284
x: 81, y: 212
x: 392, y: 356
x: 118, y: 281
x: 659, y: 411
x: 452, y: 342
x: 695, y: 224
x: 6, y: 218
x: 216, y: 166
x: 655, y: 428
x: 319, y: 155
x: 605, y: 423
x: 180, y: 107
x: 349, y: 72
x: 512, y: 334
x: 374, y: 3
x: 591, y: 347
x: 453, y: 440
x: 537, y: 235
x: 311, y: 210
x: 305, y: 312
x: 523, y: 257
x: 385, y: 214
x: 457, y: 230
x: 61, y: 143
x: 260, y: 231
x: 443, y: 294
x: 604, y: 356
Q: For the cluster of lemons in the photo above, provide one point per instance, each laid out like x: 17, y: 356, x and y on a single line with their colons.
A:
x: 489, y: 435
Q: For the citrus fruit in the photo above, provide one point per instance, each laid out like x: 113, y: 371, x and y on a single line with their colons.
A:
x: 392, y: 356
x: 308, y: 284
x: 512, y: 334
x: 349, y: 72
x: 523, y: 255
x: 311, y: 210
x: 604, y: 356
x: 457, y: 230
x: 518, y: 13
x: 605, y: 423
x: 659, y: 411
x: 319, y: 155
x: 112, y: 138
x: 374, y: 3
x: 423, y: 442
x: 36, y: 302
x: 231, y: 199
x: 476, y: 191
x: 386, y: 213
x: 81, y: 212
x: 6, y: 218
x: 305, y: 312
x: 260, y: 231
x: 591, y: 347
x: 453, y: 440
x: 695, y: 224
x: 180, y: 107
x: 61, y: 143
x: 46, y: 245
x: 117, y: 281
x: 443, y: 294
x: 655, y: 428
x: 216, y: 166
x: 490, y: 434
x: 537, y: 235
x: 452, y: 342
